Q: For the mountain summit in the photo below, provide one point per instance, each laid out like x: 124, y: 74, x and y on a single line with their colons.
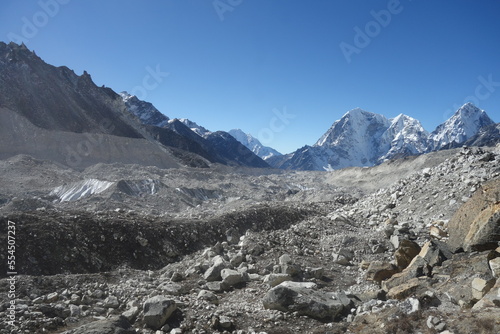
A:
x: 361, y: 138
x: 465, y: 123
x: 253, y: 144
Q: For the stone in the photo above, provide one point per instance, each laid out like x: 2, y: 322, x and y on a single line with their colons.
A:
x: 209, y: 296
x: 460, y: 226
x: 231, y: 277
x: 394, y: 239
x: 52, y: 297
x: 480, y: 287
x: 378, y: 249
x: 131, y: 314
x: 213, y: 273
x: 290, y: 269
x: 216, y: 286
x: 432, y: 321
x: 274, y: 279
x: 303, y: 301
x: 460, y: 271
x: 157, y: 310
x: 75, y: 299
x: 285, y: 259
x: 343, y: 257
x: 111, y: 302
x: 405, y: 253
x: 407, y: 289
x: 437, y: 232
x: 494, y: 265
x: 484, y: 232
x: 75, y: 311
x: 225, y: 322
x: 171, y: 288
x: 490, y: 299
x: 177, y: 277
x: 316, y: 272
x: 410, y: 305
x: 417, y: 268
x: 378, y: 271
x: 237, y: 259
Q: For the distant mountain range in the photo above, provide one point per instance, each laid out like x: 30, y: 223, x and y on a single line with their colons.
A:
x: 361, y: 138
x: 52, y: 113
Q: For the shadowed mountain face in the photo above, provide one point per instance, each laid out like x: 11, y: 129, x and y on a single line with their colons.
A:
x: 55, y: 98
x: 52, y: 113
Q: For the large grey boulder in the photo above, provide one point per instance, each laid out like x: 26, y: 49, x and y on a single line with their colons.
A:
x: 157, y: 310
x: 301, y: 298
x: 214, y: 272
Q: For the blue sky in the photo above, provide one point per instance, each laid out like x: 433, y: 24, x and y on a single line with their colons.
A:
x: 282, y: 70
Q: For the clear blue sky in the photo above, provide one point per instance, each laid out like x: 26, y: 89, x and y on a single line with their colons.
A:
x: 234, y: 63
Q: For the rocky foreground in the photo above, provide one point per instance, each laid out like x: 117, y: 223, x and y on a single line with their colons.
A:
x: 418, y: 256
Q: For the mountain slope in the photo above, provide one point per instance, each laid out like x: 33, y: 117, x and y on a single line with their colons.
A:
x: 55, y: 98
x: 253, y: 144
x: 143, y: 110
x: 360, y: 138
x: 465, y: 123
x: 51, y: 113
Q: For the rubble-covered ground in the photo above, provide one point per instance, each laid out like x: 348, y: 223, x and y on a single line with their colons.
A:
x: 127, y: 249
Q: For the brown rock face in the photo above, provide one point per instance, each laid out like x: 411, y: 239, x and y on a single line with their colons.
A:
x: 476, y: 225
x: 484, y: 232
x: 405, y: 253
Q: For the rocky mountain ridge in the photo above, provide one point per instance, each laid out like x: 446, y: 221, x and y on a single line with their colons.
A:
x: 72, y: 121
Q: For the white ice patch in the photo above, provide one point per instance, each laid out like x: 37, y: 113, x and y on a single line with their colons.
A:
x: 78, y: 190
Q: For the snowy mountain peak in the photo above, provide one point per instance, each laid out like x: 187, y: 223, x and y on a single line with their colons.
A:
x: 198, y: 129
x: 145, y: 111
x: 253, y: 144
x: 464, y: 124
x: 357, y: 124
x: 362, y: 138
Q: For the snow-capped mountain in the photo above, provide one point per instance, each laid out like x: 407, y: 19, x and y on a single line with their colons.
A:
x: 145, y: 111
x: 465, y: 123
x: 361, y: 138
x: 253, y: 144
x: 405, y: 136
x: 198, y: 129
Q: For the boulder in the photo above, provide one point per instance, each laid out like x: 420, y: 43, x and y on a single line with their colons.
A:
x: 484, y: 232
x: 300, y: 298
x: 490, y: 299
x: 214, y: 272
x: 405, y: 253
x: 378, y: 271
x: 475, y: 225
x: 417, y: 268
x: 412, y: 287
x: 274, y: 279
x: 231, y: 277
x: 458, y: 274
x: 495, y: 266
x: 157, y: 310
x: 481, y: 287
